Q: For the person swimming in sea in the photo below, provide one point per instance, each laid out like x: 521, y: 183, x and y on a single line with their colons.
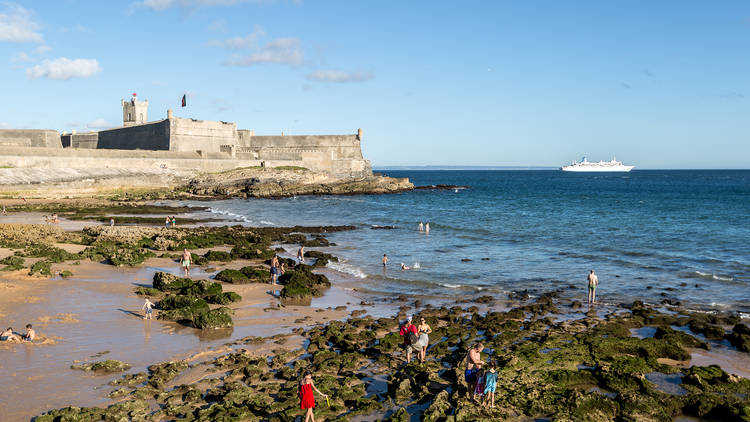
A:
x: 405, y: 267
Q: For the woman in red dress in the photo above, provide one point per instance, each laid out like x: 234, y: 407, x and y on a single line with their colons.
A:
x: 307, y: 399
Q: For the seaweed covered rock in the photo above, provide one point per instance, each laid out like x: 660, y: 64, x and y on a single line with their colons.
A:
x: 41, y: 268
x: 321, y: 258
x: 232, y: 276
x: 186, y: 313
x: 167, y: 282
x: 215, y: 318
x: 105, y: 366
x: 224, y: 298
x: 218, y: 256
x: 12, y: 263
x: 49, y: 253
x: 117, y: 254
x: 302, y: 283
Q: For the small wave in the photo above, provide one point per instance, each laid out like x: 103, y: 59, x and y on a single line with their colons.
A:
x: 347, y: 269
x: 267, y: 223
x: 451, y: 286
x: 416, y: 265
x: 713, y: 276
x: 231, y: 214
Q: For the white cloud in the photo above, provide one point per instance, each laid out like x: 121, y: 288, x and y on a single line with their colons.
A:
x: 99, y: 124
x: 281, y: 51
x: 24, y: 57
x: 339, y: 76
x: 239, y: 43
x: 4, y: 125
x: 18, y: 25
x: 64, y: 69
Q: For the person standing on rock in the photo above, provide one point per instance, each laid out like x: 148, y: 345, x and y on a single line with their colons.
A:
x: 593, y: 283
x: 301, y: 254
x: 274, y: 269
x: 473, y: 363
x: 185, y: 262
x: 410, y: 332
x: 424, y: 338
x: 307, y: 399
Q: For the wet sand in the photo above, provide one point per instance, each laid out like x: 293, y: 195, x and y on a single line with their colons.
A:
x: 96, y: 312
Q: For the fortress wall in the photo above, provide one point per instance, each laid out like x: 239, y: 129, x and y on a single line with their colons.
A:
x: 149, y: 136
x: 30, y: 138
x: 89, y: 140
x: 340, y: 155
x: 201, y: 135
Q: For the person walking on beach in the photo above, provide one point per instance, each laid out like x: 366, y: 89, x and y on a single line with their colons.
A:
x: 166, y: 223
x: 111, y: 221
x: 385, y: 260
x: 30, y: 334
x: 4, y: 212
x: 307, y: 399
x: 593, y: 283
x: 185, y: 262
x: 301, y: 254
x: 473, y: 364
x: 147, y: 306
x: 410, y: 333
x: 174, y: 221
x: 424, y: 339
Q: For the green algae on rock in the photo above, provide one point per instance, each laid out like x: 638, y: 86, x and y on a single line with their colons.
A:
x: 108, y: 365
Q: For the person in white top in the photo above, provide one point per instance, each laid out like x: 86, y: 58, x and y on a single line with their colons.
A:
x: 147, y: 306
x: 421, y: 226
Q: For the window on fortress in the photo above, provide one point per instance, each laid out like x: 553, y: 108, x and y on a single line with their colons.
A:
x: 141, y: 117
x: 129, y: 118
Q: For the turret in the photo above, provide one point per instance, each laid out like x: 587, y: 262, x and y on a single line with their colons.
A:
x: 134, y: 112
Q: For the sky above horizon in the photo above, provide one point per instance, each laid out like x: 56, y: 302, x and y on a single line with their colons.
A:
x: 658, y: 84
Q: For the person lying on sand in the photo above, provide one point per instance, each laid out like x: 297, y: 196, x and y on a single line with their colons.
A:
x: 30, y: 334
x: 9, y: 335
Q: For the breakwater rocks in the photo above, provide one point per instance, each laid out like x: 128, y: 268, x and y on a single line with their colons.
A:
x: 551, y: 364
x: 279, y: 182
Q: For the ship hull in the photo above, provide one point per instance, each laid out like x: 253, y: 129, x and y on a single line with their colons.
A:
x: 597, y: 169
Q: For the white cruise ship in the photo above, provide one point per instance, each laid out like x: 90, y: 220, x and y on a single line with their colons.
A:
x: 584, y: 165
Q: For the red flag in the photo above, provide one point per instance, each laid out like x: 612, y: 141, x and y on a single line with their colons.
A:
x: 184, y: 101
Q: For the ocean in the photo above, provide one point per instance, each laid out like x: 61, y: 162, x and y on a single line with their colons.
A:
x: 682, y: 235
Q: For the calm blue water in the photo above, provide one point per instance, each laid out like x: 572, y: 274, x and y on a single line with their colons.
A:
x: 541, y: 230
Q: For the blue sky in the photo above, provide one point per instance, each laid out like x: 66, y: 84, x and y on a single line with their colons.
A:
x: 659, y: 84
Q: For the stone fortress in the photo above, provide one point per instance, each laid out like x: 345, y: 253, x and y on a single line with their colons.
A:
x: 180, y: 144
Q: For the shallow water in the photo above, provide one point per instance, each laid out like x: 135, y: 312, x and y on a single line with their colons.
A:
x: 683, y: 233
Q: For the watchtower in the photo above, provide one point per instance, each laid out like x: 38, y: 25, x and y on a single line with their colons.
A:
x: 134, y: 112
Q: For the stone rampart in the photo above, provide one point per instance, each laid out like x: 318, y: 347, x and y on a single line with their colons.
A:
x: 86, y: 140
x: 200, y: 135
x: 148, y: 136
x: 30, y: 138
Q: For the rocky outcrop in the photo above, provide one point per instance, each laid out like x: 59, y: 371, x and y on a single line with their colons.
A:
x: 272, y: 183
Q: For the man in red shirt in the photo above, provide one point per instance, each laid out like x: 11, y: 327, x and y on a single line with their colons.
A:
x: 405, y: 330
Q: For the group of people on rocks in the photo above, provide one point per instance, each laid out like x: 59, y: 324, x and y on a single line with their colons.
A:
x: 12, y: 336
x: 480, y: 381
